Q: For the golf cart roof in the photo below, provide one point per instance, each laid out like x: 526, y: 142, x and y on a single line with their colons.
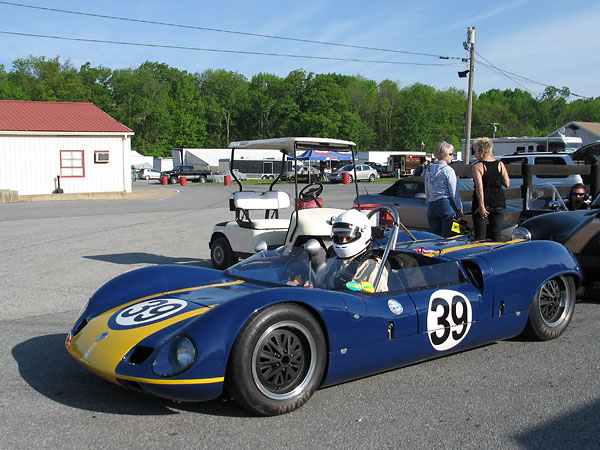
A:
x: 288, y: 144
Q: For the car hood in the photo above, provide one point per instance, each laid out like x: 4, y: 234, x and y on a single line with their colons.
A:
x: 559, y: 226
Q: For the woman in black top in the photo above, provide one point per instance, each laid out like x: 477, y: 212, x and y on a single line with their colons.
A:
x: 488, y: 203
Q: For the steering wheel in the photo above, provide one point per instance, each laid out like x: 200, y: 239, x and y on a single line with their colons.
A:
x: 311, y: 192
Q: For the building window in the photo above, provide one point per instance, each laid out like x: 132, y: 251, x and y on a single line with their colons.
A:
x: 101, y: 156
x: 71, y: 163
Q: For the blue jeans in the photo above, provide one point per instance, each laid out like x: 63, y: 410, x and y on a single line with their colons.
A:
x: 440, y: 215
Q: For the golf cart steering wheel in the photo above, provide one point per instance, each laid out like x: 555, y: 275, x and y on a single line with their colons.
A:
x: 311, y: 192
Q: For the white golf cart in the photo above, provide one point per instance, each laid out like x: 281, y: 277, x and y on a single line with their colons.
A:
x: 257, y: 213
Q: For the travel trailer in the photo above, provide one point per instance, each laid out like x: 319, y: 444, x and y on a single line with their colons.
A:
x: 515, y: 145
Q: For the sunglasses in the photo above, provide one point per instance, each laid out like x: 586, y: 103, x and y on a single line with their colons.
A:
x: 451, y: 154
x: 579, y: 194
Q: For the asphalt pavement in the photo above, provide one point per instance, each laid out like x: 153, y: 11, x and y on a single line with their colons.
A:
x: 512, y: 394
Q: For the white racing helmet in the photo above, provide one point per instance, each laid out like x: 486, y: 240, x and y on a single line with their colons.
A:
x: 351, y: 232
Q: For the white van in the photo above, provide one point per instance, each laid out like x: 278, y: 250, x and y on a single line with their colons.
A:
x: 555, y: 159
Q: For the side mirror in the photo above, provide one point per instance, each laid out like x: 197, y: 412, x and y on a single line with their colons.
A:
x: 260, y: 246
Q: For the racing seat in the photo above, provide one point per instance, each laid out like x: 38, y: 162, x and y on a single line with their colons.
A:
x: 270, y: 202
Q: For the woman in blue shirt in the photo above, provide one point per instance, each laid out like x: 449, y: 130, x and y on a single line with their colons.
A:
x: 441, y: 191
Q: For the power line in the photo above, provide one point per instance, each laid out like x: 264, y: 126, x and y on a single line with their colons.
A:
x: 512, y: 76
x: 217, y: 30
x: 179, y: 47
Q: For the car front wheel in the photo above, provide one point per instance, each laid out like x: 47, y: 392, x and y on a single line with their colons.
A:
x: 371, y: 178
x: 551, y: 309
x: 277, y: 360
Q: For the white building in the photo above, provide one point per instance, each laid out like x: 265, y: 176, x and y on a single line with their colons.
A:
x: 76, y: 143
x: 588, y: 131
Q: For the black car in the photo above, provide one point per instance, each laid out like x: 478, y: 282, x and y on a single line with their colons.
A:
x: 579, y: 231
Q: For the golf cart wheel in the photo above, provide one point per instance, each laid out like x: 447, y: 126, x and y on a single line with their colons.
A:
x: 221, y: 254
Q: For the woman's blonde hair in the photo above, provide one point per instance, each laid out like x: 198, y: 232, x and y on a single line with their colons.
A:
x: 485, y: 144
x: 443, y: 149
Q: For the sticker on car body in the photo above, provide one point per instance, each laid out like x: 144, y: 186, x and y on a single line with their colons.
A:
x: 449, y: 318
x: 148, y: 311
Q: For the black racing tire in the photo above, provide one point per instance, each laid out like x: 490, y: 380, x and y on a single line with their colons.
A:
x: 173, y: 180
x: 371, y: 178
x: 551, y: 309
x: 277, y: 361
x: 221, y: 254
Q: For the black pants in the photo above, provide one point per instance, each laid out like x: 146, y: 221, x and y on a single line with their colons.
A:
x: 490, y: 227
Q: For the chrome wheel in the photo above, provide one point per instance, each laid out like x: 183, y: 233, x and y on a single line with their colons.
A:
x: 554, y: 301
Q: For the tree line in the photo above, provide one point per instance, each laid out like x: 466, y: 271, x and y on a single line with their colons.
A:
x: 167, y: 107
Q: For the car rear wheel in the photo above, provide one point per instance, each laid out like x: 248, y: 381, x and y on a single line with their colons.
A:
x: 221, y: 254
x: 551, y: 309
x: 277, y: 360
x: 201, y: 179
x: 147, y: 177
x: 173, y: 180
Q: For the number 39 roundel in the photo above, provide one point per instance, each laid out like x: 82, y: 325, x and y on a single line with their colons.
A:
x: 449, y: 319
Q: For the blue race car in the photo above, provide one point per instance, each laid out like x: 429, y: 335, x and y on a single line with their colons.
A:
x: 275, y: 327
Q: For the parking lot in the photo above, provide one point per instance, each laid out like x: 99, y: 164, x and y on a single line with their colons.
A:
x: 512, y: 394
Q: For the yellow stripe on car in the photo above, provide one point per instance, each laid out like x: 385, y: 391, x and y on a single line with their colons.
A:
x: 467, y: 246
x: 101, y: 348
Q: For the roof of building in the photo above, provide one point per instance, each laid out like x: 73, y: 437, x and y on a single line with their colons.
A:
x: 60, y: 117
x: 591, y: 127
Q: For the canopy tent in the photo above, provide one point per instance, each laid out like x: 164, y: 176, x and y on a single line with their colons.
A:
x: 321, y: 155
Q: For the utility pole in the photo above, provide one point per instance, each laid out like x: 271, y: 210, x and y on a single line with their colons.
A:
x: 495, y: 125
x: 469, y: 44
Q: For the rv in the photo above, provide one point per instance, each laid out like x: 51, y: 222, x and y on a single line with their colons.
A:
x: 515, y: 145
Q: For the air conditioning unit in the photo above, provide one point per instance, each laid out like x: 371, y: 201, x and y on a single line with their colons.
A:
x: 101, y: 157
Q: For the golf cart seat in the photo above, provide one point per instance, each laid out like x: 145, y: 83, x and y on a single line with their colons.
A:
x: 270, y: 202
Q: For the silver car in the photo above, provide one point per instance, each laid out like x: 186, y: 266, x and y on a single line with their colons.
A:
x: 363, y: 172
x: 408, y: 195
x: 149, y: 174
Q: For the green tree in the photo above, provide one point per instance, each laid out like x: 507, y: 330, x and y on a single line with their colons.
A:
x: 225, y: 95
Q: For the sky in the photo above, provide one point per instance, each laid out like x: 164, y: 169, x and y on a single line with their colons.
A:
x: 519, y: 44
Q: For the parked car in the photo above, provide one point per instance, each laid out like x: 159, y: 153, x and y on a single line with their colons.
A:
x: 274, y: 328
x: 579, y: 231
x: 545, y: 158
x: 408, y: 195
x: 315, y: 175
x: 588, y: 154
x: 376, y: 166
x: 220, y: 177
x: 363, y: 172
x: 191, y: 173
x: 149, y: 174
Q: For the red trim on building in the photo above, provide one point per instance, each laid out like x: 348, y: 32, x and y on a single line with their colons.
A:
x: 72, y: 167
